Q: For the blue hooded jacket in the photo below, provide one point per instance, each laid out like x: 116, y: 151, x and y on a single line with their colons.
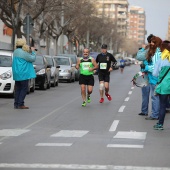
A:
x: 22, y: 66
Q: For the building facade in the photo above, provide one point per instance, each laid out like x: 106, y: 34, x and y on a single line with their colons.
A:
x: 168, y: 32
x: 116, y: 10
x: 137, y: 24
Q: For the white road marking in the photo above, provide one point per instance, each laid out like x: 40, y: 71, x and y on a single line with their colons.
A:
x: 127, y: 99
x: 79, y: 166
x: 12, y: 132
x: 114, y: 125
x: 124, y: 146
x: 132, y: 87
x: 130, y: 92
x: 131, y: 135
x: 53, y: 144
x: 70, y: 133
x: 121, y: 108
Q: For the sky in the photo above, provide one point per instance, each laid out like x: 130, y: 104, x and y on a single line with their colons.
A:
x: 157, y: 13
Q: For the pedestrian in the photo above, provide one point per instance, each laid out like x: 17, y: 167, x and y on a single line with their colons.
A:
x: 122, y: 65
x: 105, y: 61
x: 153, y: 55
x: 141, y: 56
x: 23, y: 70
x: 87, y: 65
x: 162, y: 71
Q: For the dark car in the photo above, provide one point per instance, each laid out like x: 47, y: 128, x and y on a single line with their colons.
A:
x: 43, y: 72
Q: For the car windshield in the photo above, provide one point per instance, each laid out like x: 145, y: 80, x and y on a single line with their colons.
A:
x: 5, y: 61
x: 39, y: 60
x: 63, y: 61
x: 49, y: 60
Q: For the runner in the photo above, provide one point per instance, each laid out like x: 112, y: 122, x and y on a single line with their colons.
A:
x: 122, y: 65
x: 104, y: 60
x: 87, y: 65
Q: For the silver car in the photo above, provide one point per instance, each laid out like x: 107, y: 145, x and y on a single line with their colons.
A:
x: 54, y: 70
x: 66, y: 71
x: 74, y: 61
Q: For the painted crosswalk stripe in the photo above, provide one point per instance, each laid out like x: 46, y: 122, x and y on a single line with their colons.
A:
x: 12, y: 132
x: 127, y: 99
x: 123, y: 146
x: 70, y: 133
x: 79, y: 166
x: 53, y: 144
x: 121, y: 109
x: 114, y: 125
x: 131, y: 135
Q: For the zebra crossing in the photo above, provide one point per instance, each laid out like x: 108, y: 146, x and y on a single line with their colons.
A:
x: 122, y: 139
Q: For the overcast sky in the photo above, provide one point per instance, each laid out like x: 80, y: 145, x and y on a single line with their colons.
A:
x: 157, y: 13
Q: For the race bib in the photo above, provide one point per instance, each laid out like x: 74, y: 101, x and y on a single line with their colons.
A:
x: 85, y: 66
x: 103, y: 66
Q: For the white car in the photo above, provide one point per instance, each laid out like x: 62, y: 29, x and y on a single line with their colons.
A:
x: 6, y: 78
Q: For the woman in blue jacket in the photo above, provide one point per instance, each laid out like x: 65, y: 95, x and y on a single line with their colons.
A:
x: 162, y: 71
x: 23, y: 70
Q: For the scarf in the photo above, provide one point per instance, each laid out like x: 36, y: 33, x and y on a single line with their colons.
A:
x: 165, y: 55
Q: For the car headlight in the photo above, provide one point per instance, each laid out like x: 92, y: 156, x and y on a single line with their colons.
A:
x: 42, y: 71
x: 66, y: 71
x: 6, y: 75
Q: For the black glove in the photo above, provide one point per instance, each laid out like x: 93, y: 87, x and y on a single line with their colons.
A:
x: 142, y: 66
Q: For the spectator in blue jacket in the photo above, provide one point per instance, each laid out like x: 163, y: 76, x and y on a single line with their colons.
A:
x: 23, y: 70
x: 153, y: 55
x: 141, y: 56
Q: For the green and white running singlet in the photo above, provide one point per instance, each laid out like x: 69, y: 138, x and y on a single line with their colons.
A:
x: 85, y: 65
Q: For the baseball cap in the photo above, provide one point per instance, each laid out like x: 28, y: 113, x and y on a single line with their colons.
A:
x: 104, y: 46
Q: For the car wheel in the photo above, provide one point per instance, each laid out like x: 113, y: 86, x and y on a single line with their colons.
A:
x: 57, y: 83
x: 44, y: 85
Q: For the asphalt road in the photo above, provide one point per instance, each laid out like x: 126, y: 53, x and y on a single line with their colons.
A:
x: 58, y: 133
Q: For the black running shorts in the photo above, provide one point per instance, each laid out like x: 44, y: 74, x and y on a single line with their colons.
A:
x: 104, y: 77
x: 86, y: 80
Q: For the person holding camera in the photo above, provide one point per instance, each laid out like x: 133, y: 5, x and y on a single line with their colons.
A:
x: 23, y: 70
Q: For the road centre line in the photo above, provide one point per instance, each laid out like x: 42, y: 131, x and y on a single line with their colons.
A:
x: 127, y: 99
x: 114, y: 126
x: 121, y: 108
x: 130, y: 92
x: 79, y: 166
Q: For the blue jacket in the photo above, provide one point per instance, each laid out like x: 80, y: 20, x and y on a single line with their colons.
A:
x: 22, y: 67
x: 149, y: 67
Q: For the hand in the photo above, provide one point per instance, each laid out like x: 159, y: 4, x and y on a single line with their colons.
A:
x: 142, y: 66
x: 110, y: 69
x: 32, y: 48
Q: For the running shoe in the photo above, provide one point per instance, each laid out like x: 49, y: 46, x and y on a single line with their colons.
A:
x: 108, y: 96
x: 158, y: 127
x: 84, y: 104
x: 101, y: 100
x: 88, y: 99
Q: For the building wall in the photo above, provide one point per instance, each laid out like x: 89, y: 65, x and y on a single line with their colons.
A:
x: 136, y: 25
x: 168, y: 32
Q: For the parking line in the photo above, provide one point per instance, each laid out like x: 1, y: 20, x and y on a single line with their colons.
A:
x: 121, y: 109
x: 114, y: 125
x: 130, y: 92
x: 123, y: 146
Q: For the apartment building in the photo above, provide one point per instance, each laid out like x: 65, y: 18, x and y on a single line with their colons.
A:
x: 136, y: 24
x: 116, y: 10
x: 168, y: 32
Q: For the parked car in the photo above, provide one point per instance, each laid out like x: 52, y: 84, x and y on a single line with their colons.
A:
x: 7, y: 83
x: 66, y: 71
x: 43, y: 72
x: 54, y: 70
x: 74, y: 61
